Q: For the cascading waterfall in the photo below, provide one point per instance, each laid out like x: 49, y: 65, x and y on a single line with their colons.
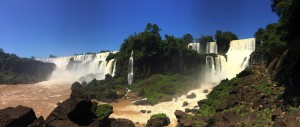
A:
x: 114, y: 69
x: 211, y: 47
x: 238, y: 57
x: 85, y: 64
x: 195, y: 46
x: 130, y: 69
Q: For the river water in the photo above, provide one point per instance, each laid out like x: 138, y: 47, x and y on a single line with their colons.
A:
x: 44, y: 96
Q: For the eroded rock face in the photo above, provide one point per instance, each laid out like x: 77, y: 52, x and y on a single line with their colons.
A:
x: 75, y: 111
x: 19, y: 116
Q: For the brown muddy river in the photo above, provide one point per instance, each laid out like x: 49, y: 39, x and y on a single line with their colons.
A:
x: 42, y: 96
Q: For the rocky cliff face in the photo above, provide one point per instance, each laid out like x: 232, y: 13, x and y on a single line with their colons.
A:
x: 286, y: 70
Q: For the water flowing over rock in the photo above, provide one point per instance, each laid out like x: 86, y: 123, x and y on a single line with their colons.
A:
x: 195, y: 46
x: 237, y: 59
x: 114, y: 69
x: 211, y: 47
x: 81, y: 65
x: 130, y: 69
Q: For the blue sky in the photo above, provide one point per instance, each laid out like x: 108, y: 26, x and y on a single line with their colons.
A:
x: 65, y: 27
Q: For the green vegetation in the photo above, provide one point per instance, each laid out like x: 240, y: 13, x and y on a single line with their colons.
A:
x: 223, y: 40
x: 103, y: 111
x: 268, y: 43
x: 214, y: 98
x: 203, y: 41
x: 158, y: 87
x: 103, y: 89
x: 111, y: 56
x: 159, y: 116
x: 158, y: 120
x: 153, y: 55
x: 14, y: 70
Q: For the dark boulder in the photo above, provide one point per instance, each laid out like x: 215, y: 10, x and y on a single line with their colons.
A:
x: 19, y: 116
x: 205, y: 91
x: 158, y: 120
x: 143, y: 111
x: 191, y: 96
x: 184, y: 104
x: 39, y: 122
x: 75, y: 111
x: 121, y: 123
x: 179, y: 114
x: 187, y: 110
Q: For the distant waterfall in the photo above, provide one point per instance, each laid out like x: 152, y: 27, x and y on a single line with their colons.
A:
x: 194, y: 46
x: 211, y: 47
x: 85, y: 64
x: 130, y: 69
x: 114, y: 69
x: 238, y: 57
x: 210, y: 64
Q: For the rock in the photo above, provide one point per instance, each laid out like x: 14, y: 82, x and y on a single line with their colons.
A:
x: 158, y: 122
x: 142, y: 102
x: 205, y: 91
x: 184, y: 104
x: 187, y: 110
x: 121, y: 123
x: 186, y: 122
x: 143, y: 111
x: 149, y: 111
x: 40, y: 122
x: 75, y: 111
x: 179, y: 114
x: 19, y: 116
x: 191, y: 96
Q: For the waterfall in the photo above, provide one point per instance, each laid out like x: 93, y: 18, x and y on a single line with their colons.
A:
x: 114, y: 69
x: 194, y: 46
x: 109, y: 67
x: 211, y: 47
x: 210, y: 64
x: 85, y: 64
x: 130, y: 69
x: 238, y: 57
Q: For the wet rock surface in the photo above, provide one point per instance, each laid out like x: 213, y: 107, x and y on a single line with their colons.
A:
x: 19, y: 116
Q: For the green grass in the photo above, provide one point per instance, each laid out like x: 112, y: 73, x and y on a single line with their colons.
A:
x: 103, y: 111
x: 158, y: 87
x: 216, y: 96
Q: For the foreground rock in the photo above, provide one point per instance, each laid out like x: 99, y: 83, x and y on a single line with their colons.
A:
x: 75, y: 111
x: 158, y: 120
x: 19, y: 116
x: 121, y: 123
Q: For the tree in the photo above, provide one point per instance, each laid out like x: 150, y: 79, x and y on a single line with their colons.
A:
x: 223, y: 40
x: 203, y: 41
x: 289, y: 18
x: 205, y: 38
x: 153, y: 28
x: 187, y: 38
